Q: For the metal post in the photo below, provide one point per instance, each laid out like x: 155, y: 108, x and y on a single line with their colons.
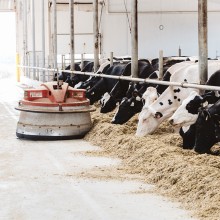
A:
x: 82, y: 61
x: 17, y: 67
x: 43, y: 41
x: 72, y: 51
x: 25, y: 61
x: 63, y: 65
x: 55, y: 33
x: 96, y: 35
x: 37, y: 61
x: 160, y: 64
x: 33, y: 39
x: 48, y: 72
x: 50, y: 37
x: 134, y: 38
x: 28, y: 64
x: 203, y: 49
x: 179, y: 52
x: 111, y: 58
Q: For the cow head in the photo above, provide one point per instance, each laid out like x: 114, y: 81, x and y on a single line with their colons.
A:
x: 187, y: 113
x: 183, y: 117
x: 93, y: 96
x: 147, y: 122
x: 95, y: 93
x: 108, y: 103
x: 127, y: 109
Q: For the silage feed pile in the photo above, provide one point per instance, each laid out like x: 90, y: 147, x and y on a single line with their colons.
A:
x: 182, y: 175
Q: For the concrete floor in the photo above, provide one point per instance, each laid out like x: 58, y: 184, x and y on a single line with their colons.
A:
x: 35, y: 183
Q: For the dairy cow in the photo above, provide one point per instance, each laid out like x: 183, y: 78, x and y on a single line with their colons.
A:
x: 186, y: 114
x: 64, y: 75
x: 207, y: 129
x: 131, y: 106
x: 106, y: 84
x: 109, y: 100
x: 151, y: 117
x: 72, y: 81
x: 92, y: 80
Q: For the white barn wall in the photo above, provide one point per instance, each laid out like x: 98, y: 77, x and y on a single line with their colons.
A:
x: 180, y: 29
x: 214, y: 34
x: 83, y: 25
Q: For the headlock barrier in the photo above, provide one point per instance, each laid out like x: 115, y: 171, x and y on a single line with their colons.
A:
x: 130, y: 78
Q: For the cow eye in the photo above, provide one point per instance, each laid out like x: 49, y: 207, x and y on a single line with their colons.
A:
x: 187, y: 106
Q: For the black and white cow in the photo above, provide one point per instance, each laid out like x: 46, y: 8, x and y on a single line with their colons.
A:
x: 186, y: 114
x: 64, y: 75
x: 151, y: 117
x: 106, y: 84
x: 131, y: 106
x: 119, y: 91
x: 72, y: 81
x: 207, y: 129
x: 92, y: 80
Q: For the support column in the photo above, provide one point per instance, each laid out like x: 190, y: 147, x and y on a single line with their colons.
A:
x: 33, y: 40
x: 202, y: 37
x: 25, y: 38
x: 134, y: 38
x: 160, y: 64
x: 72, y: 48
x: 96, y: 35
x: 55, y: 33
x: 43, y: 41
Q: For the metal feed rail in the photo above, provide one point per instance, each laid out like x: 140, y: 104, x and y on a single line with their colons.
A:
x: 153, y: 81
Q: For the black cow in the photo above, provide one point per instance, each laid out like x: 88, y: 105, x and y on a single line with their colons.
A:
x: 89, y: 83
x: 106, y: 84
x: 207, y: 129
x: 64, y: 75
x: 72, y: 81
x: 119, y: 91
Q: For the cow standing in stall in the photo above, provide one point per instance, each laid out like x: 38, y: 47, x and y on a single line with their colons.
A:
x: 92, y: 80
x: 134, y: 104
x: 187, y: 113
x: 109, y: 100
x: 207, y: 129
x: 151, y: 117
x: 106, y: 84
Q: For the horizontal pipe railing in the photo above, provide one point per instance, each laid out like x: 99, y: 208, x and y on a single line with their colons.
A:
x: 129, y: 78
